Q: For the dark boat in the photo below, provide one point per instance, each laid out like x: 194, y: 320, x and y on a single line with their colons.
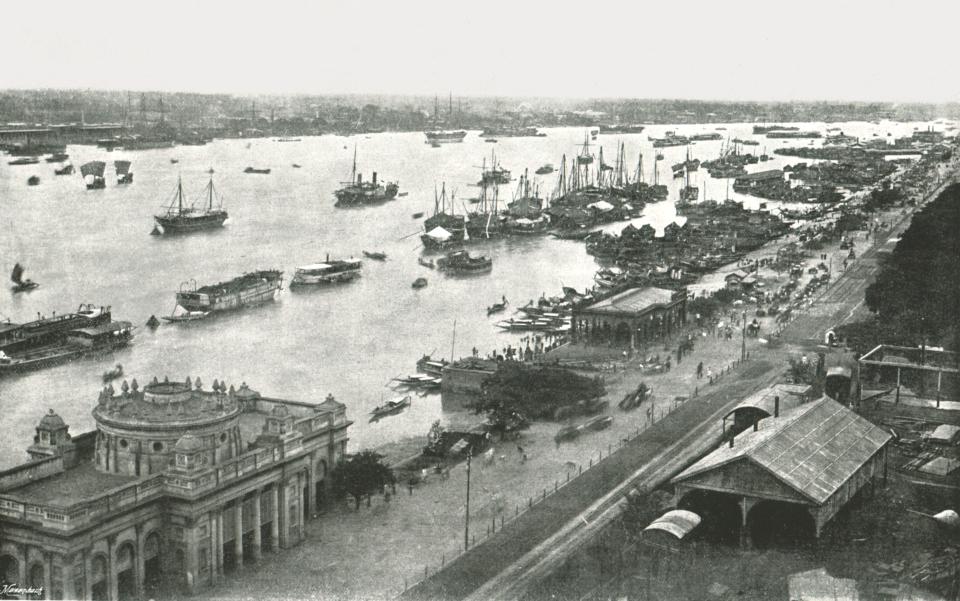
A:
x: 621, y: 129
x: 179, y: 220
x: 113, y: 374
x: 67, y: 169
x: 497, y: 307
x: 247, y: 290
x: 20, y: 284
x: 255, y: 170
x: 33, y: 180
x: 390, y: 407
x: 418, y: 215
x: 296, y: 166
x: 124, y: 175
x: 376, y: 255
x: 419, y: 283
x: 358, y: 192
x: 175, y: 161
x: 544, y: 170
x: 64, y: 346
x: 24, y: 161
x: 93, y: 175
x: 57, y: 157
x: 460, y: 261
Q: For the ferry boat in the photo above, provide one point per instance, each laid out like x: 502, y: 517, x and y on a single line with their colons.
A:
x: 358, y: 192
x: 124, y: 175
x: 93, y: 175
x: 180, y: 220
x: 72, y: 344
x: 249, y: 289
x: 460, y: 261
x: 329, y: 272
x: 444, y: 137
x: 44, y: 329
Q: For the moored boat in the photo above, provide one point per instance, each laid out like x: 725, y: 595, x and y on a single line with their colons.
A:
x: 431, y: 366
x: 461, y: 261
x: 24, y: 161
x: 257, y: 171
x: 65, y: 346
x: 419, y: 283
x: 375, y: 255
x: 33, y: 180
x: 66, y: 169
x: 328, y: 272
x: 247, y: 290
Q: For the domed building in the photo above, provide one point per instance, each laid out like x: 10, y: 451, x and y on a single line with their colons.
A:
x: 177, y: 487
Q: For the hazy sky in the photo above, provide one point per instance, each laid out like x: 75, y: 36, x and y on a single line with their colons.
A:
x: 724, y: 49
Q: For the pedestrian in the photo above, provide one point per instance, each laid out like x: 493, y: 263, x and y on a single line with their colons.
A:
x: 700, y: 370
x: 668, y: 363
x: 710, y: 375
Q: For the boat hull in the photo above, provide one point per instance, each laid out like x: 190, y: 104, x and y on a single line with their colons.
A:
x: 320, y: 280
x: 183, y: 225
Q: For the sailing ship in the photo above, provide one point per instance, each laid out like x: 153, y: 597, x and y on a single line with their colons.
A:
x: 124, y: 175
x: 93, y: 174
x: 495, y: 175
x: 358, y: 192
x: 328, y: 272
x: 438, y: 136
x: 20, y: 284
x: 249, y: 289
x: 179, y: 219
x: 443, y: 229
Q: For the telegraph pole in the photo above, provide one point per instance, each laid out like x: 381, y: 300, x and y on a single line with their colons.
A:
x: 466, y: 520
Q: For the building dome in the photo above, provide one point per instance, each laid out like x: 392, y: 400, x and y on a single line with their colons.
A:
x: 188, y: 443
x: 51, y: 422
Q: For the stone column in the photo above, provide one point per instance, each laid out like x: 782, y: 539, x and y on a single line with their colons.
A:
x: 112, y: 592
x: 274, y: 518
x: 311, y: 489
x: 284, y: 513
x: 48, y: 575
x: 238, y: 530
x: 192, y: 561
x: 218, y: 541
x: 88, y: 576
x: 301, y: 531
x: 66, y: 572
x: 257, y: 543
x: 141, y: 567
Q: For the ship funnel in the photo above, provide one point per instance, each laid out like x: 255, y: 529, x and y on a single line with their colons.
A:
x: 359, y: 178
x: 374, y: 178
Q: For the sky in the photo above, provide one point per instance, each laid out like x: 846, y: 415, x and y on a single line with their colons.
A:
x: 719, y: 50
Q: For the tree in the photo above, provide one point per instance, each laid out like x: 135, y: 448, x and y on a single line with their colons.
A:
x: 362, y: 474
x: 534, y: 392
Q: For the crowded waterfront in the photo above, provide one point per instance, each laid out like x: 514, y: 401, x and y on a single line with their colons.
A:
x: 286, y: 219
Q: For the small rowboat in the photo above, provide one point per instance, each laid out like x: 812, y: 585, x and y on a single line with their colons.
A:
x: 187, y: 316
x: 419, y: 283
x: 377, y: 255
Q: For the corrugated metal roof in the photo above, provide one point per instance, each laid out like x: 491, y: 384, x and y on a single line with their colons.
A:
x: 678, y: 522
x: 813, y: 448
x: 633, y: 300
x: 791, y: 395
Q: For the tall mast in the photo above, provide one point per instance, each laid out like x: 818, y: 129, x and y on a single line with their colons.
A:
x: 353, y: 172
x: 210, y: 186
x: 179, y: 196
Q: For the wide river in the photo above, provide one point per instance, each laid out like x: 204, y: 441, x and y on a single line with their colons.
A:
x: 93, y: 246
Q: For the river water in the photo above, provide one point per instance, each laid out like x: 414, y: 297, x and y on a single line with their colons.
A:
x: 350, y: 340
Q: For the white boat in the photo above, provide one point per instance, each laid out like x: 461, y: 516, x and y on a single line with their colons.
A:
x: 330, y: 272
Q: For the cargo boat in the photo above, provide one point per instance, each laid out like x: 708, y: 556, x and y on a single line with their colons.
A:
x: 445, y: 137
x: 72, y: 344
x: 329, y: 272
x: 460, y: 261
x: 621, y: 129
x: 47, y: 329
x: 180, y: 220
x: 247, y: 290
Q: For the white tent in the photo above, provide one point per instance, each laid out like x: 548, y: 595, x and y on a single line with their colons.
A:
x: 602, y: 206
x: 438, y: 233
